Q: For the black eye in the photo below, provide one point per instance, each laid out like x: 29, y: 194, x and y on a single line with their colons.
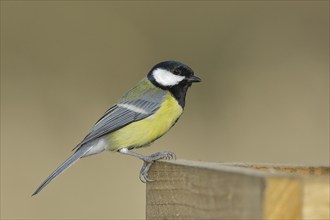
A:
x: 177, y: 71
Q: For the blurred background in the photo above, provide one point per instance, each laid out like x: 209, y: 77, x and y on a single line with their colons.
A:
x: 264, y: 95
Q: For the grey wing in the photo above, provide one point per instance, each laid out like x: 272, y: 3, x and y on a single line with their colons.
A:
x: 124, y: 113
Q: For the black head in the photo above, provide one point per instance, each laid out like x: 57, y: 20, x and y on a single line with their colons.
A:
x: 173, y: 76
x: 171, y: 73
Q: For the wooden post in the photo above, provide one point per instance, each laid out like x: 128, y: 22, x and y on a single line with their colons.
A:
x: 198, y: 190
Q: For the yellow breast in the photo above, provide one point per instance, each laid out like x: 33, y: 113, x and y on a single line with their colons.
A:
x: 145, y: 131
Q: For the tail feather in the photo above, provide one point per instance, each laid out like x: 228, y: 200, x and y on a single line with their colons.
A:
x: 68, y: 163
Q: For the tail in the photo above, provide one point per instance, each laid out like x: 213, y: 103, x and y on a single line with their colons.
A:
x: 68, y: 163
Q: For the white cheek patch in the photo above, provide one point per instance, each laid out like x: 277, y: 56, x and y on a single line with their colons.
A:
x: 166, y: 78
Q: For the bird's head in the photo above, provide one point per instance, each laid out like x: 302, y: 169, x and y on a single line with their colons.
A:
x: 172, y: 73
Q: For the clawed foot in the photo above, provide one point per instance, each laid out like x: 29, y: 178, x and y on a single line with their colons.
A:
x: 148, y: 161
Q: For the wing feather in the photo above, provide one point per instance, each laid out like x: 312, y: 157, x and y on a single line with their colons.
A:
x: 120, y: 115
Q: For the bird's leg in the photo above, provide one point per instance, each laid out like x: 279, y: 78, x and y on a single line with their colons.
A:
x: 144, y: 172
x: 148, y: 161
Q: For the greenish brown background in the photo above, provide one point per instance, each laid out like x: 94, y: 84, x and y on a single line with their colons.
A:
x: 264, y: 96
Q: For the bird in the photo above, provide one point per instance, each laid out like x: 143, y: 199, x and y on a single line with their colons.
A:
x: 141, y: 116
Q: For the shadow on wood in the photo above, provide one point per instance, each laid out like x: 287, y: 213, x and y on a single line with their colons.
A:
x: 201, y: 190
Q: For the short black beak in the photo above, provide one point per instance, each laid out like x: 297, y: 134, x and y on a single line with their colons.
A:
x: 194, y: 79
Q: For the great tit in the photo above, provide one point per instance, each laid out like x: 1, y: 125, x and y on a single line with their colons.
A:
x: 141, y: 116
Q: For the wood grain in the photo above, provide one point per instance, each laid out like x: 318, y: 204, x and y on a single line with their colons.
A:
x: 202, y: 190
